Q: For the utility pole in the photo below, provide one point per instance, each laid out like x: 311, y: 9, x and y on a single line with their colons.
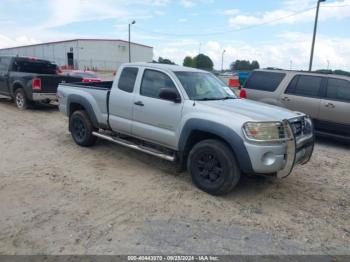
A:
x: 132, y: 23
x: 222, y: 60
x: 314, y: 35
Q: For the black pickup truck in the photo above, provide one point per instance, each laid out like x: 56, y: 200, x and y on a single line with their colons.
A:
x: 28, y: 80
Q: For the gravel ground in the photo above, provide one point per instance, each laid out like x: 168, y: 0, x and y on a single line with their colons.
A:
x: 59, y: 198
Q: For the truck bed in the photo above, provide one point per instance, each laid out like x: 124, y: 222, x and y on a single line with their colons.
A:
x: 49, y: 82
x: 94, y: 93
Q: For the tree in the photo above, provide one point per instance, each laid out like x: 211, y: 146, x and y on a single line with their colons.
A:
x: 254, y: 65
x: 341, y: 72
x: 335, y: 72
x: 244, y: 65
x: 189, y: 62
x: 204, y: 62
x: 324, y: 71
x: 165, y: 61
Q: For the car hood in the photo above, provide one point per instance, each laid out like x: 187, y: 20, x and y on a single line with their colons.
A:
x: 252, y: 110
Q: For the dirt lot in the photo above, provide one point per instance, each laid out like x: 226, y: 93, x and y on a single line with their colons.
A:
x: 58, y: 198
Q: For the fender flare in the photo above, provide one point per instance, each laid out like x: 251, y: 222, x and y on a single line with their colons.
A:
x: 18, y: 83
x: 84, y: 103
x: 225, y: 133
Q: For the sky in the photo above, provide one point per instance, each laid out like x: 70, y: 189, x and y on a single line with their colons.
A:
x: 277, y: 33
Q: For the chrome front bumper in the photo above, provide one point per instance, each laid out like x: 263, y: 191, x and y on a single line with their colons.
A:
x: 299, y: 149
x: 280, y: 157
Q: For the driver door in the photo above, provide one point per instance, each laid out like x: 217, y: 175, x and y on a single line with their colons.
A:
x: 154, y: 119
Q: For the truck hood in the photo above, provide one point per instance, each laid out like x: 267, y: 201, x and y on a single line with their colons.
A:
x: 252, y: 110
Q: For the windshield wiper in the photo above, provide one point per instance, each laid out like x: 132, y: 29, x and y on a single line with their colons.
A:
x: 228, y: 97
x: 206, y: 99
x: 214, y: 98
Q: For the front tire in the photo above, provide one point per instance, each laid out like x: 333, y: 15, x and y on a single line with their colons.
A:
x: 213, y: 167
x: 20, y: 99
x: 81, y: 129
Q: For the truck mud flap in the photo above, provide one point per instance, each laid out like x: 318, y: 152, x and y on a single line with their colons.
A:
x: 290, y: 153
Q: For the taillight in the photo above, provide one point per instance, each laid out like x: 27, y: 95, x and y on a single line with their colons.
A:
x: 242, y: 93
x: 36, y: 84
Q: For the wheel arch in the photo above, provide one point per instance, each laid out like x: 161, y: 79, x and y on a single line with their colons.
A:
x: 75, y: 102
x: 17, y: 85
x: 196, y: 130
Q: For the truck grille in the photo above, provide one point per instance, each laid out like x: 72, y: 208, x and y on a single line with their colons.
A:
x: 297, y: 127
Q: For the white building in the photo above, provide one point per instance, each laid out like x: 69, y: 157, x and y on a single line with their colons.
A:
x: 98, y: 54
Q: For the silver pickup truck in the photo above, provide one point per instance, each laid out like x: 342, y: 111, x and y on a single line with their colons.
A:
x: 190, y: 117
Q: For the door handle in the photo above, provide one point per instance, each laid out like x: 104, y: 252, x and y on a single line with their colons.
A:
x: 286, y: 98
x: 330, y: 105
x: 139, y: 103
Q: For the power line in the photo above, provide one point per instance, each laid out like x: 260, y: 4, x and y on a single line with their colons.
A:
x: 228, y: 31
x: 334, y: 6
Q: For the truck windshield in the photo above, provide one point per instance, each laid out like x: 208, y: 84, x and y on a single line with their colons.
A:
x: 204, y: 86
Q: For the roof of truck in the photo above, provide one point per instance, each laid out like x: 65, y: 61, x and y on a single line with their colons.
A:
x: 313, y: 73
x: 174, y: 68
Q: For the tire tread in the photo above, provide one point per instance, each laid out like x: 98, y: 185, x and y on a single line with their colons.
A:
x: 234, y: 173
x: 90, y: 139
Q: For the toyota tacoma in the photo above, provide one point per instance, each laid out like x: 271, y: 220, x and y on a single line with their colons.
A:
x: 190, y: 117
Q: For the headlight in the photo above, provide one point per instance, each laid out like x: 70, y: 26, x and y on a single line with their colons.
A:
x: 264, y: 131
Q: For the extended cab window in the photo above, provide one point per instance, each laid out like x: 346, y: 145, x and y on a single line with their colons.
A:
x: 264, y: 81
x: 4, y: 63
x: 338, y: 89
x: 153, y: 81
x: 305, y: 85
x: 127, y: 79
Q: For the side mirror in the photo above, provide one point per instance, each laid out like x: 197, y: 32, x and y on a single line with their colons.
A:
x: 169, y: 94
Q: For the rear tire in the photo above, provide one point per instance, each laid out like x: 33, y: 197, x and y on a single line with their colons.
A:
x: 213, y: 167
x: 81, y: 129
x: 20, y: 99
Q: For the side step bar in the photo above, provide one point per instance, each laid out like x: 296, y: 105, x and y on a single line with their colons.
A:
x: 129, y: 144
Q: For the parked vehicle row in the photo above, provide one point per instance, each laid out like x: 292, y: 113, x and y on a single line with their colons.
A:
x: 180, y: 114
x: 27, y: 80
x: 188, y: 116
x: 325, y: 98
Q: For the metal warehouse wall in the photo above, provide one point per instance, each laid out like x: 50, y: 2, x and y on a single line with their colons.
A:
x: 110, y: 54
x: 87, y: 54
x: 56, y: 52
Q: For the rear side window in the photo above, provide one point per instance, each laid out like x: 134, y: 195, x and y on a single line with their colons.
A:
x: 4, y: 63
x: 127, y: 79
x: 34, y: 66
x: 304, y: 85
x: 338, y: 89
x: 264, y: 81
x: 153, y: 81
